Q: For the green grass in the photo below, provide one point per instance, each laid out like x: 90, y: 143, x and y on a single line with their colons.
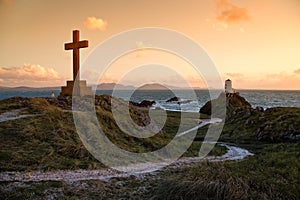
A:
x: 273, y: 173
x: 49, y: 140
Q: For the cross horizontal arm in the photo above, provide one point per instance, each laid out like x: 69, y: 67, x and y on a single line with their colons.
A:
x: 82, y: 44
x: 77, y: 45
x: 69, y: 46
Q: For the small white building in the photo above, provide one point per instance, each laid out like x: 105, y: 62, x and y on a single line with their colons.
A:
x: 52, y: 95
x: 228, y: 87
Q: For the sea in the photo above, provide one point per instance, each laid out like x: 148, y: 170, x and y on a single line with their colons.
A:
x: 190, y: 101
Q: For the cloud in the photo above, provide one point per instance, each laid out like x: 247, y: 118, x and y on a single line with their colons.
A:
x: 6, y: 1
x: 31, y: 75
x: 94, y: 77
x: 235, y: 75
x: 282, y: 80
x: 227, y: 13
x: 297, y: 71
x: 95, y: 23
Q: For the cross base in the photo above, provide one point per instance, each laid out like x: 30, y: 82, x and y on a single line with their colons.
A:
x: 81, y: 89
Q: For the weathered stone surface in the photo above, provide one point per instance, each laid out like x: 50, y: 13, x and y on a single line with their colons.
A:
x: 144, y: 104
x: 234, y: 104
x: 260, y: 109
x: 173, y: 99
x: 273, y: 125
x: 81, y: 89
x: 78, y: 88
x: 280, y: 124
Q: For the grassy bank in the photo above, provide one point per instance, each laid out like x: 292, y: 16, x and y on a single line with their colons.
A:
x: 49, y: 140
x: 273, y: 173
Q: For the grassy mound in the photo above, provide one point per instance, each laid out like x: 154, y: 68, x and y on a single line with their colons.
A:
x: 274, y: 125
x: 46, y: 141
x: 245, y: 124
x: 272, y: 174
x: 49, y: 139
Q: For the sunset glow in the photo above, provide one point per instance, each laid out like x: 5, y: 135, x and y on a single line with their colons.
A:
x: 256, y: 43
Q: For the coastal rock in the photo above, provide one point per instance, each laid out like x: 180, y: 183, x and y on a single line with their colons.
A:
x: 144, y: 104
x: 260, y: 109
x: 235, y: 104
x: 276, y: 124
x: 173, y: 99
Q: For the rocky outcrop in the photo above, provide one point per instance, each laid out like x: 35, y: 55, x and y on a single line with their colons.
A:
x: 276, y: 124
x: 64, y: 102
x: 279, y: 124
x: 144, y: 104
x: 235, y: 104
x: 173, y: 99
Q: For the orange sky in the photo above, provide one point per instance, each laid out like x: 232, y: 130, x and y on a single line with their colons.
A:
x: 256, y: 43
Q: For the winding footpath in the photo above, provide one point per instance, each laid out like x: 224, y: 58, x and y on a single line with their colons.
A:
x: 233, y: 153
x: 13, y: 115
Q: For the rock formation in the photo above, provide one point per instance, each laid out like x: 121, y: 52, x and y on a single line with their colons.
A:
x: 234, y: 103
x: 273, y: 124
x: 173, y: 99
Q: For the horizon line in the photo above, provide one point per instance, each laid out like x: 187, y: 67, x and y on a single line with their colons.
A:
x: 177, y: 88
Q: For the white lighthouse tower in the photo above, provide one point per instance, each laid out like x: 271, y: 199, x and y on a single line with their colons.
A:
x: 228, y: 87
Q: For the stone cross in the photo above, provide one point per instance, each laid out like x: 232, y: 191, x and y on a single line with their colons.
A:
x: 75, y: 46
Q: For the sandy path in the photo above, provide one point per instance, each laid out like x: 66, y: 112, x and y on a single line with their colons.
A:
x: 233, y: 153
x: 203, y: 123
x: 13, y: 115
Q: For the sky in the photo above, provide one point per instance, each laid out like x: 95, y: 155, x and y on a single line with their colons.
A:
x: 255, y: 43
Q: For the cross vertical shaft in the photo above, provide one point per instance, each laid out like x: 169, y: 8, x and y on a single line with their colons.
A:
x: 75, y: 46
x: 76, y: 58
x: 76, y: 87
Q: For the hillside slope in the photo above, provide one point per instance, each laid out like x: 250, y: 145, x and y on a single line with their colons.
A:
x: 243, y: 122
x: 48, y: 140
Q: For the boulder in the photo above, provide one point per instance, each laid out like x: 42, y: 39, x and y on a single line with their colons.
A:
x: 144, y: 104
x: 173, y: 99
x: 260, y: 109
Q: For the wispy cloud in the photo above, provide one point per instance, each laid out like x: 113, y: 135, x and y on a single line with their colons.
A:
x: 297, y: 71
x: 282, y: 80
x: 6, y: 1
x: 94, y: 77
x: 30, y: 75
x: 95, y: 23
x: 235, y: 75
x: 230, y: 13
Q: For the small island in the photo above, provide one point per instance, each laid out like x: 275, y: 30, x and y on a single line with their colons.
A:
x: 39, y: 136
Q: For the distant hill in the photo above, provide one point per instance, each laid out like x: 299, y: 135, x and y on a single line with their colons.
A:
x: 3, y: 88
x: 102, y: 86
x: 111, y: 86
x: 24, y: 88
x: 156, y: 86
